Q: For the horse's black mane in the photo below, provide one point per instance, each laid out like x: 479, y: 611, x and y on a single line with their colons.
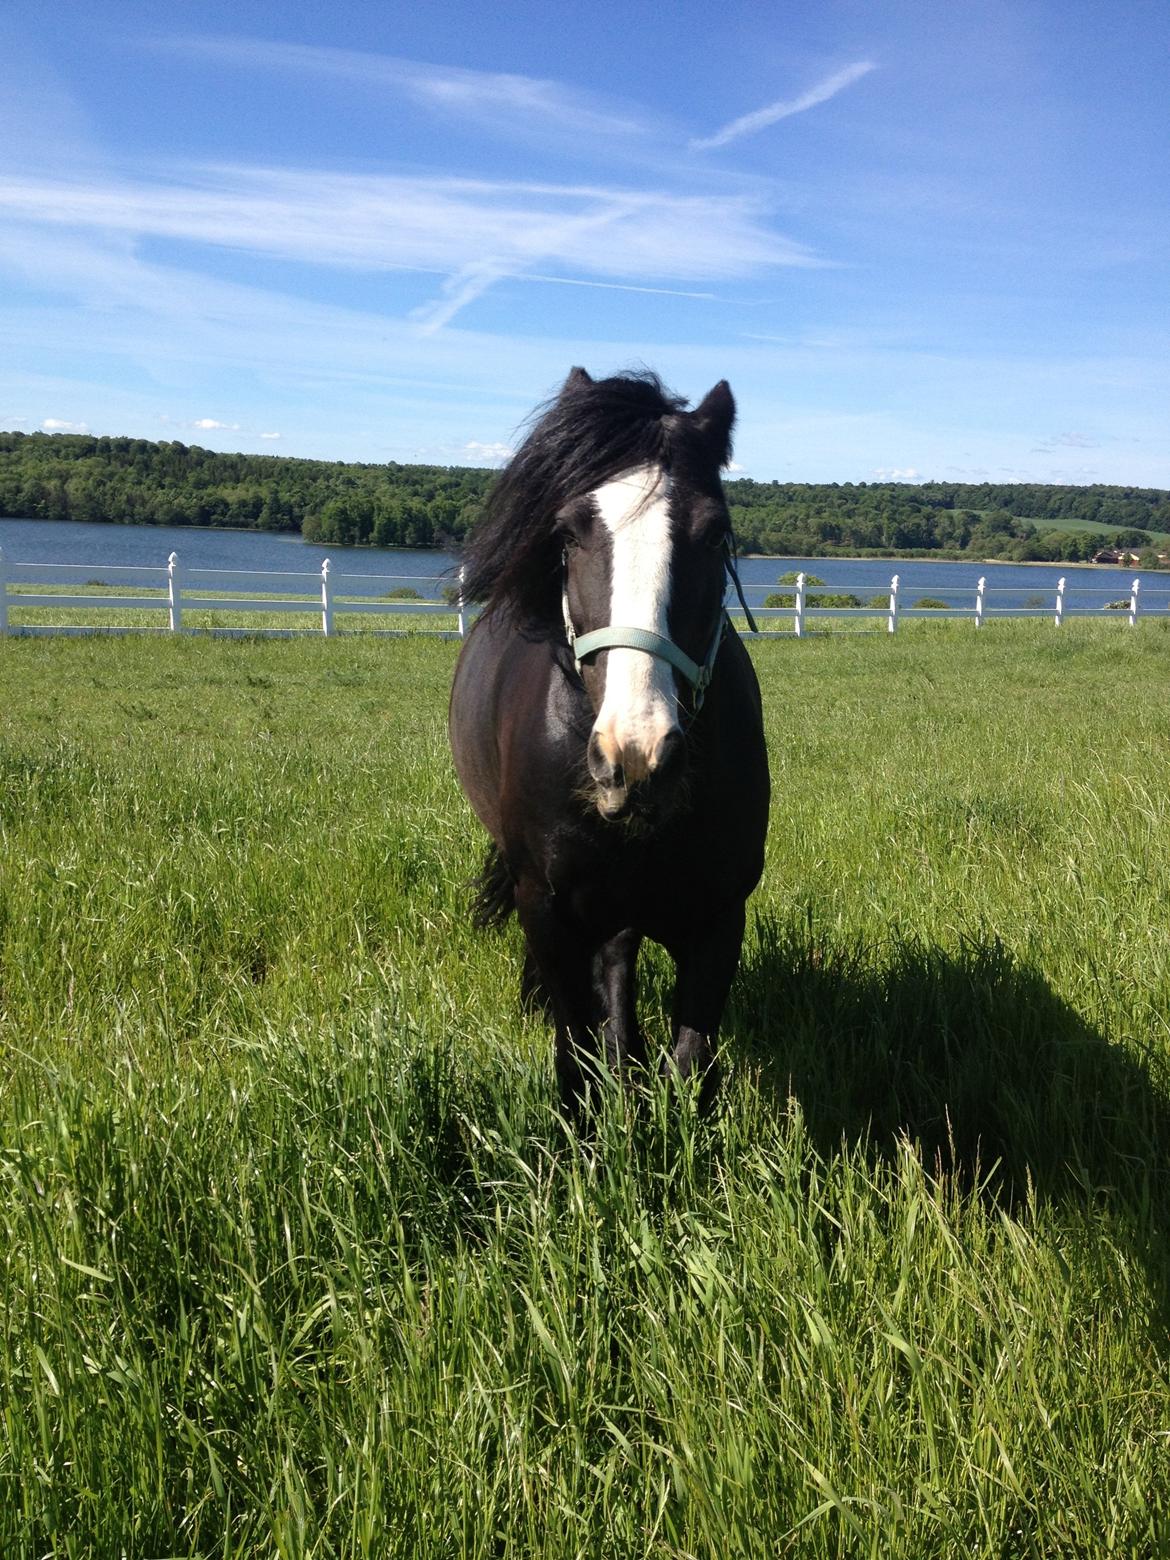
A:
x: 593, y: 431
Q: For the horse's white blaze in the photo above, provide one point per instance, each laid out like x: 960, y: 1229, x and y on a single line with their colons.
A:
x: 639, y: 707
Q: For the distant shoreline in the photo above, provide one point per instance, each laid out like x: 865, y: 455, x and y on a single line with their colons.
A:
x: 913, y: 555
x: 919, y: 556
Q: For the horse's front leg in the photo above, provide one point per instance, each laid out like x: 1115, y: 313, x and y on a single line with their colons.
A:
x: 558, y: 971
x: 615, y: 985
x: 706, y: 966
x: 591, y: 990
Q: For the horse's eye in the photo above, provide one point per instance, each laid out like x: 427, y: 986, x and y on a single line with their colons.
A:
x: 717, y: 537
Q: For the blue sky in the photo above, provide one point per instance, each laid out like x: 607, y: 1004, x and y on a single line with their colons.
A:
x: 920, y: 240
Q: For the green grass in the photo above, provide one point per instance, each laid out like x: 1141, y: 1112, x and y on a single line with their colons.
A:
x: 1042, y: 524
x: 296, y: 1257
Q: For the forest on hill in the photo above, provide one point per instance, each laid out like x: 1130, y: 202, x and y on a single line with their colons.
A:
x: 141, y: 482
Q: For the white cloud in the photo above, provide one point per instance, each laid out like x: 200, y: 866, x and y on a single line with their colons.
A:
x: 761, y: 118
x: 897, y: 474
x: 477, y: 232
x: 270, y: 435
x: 58, y: 425
x: 497, y: 99
x: 207, y: 423
x: 476, y: 451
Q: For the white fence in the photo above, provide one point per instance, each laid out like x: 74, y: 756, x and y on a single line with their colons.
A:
x: 179, y: 591
x: 332, y: 595
x: 1088, y: 601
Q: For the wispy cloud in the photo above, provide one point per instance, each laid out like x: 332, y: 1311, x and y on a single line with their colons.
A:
x: 474, y: 232
x: 205, y: 424
x: 581, y: 281
x: 761, y: 118
x: 573, y: 234
x: 489, y: 98
x: 59, y: 425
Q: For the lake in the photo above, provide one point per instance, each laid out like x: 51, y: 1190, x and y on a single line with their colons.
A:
x: 372, y: 571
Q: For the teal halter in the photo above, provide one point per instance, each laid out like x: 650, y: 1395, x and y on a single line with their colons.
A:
x: 616, y: 638
x: 655, y: 644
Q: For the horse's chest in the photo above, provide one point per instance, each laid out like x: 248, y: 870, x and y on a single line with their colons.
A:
x: 620, y: 882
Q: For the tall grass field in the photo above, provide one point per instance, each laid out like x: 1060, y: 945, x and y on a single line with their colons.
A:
x: 297, y: 1258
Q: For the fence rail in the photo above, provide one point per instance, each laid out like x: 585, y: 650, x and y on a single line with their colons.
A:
x: 805, y: 603
x: 177, y: 590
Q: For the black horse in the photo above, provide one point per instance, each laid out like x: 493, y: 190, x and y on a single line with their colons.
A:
x: 605, y: 719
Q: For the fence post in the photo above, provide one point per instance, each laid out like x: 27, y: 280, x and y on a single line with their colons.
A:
x: 892, y: 623
x: 175, y: 593
x: 798, y: 622
x: 1059, y: 618
x: 1133, y: 603
x: 3, y: 595
x: 326, y: 600
x: 979, y: 593
x: 462, y: 618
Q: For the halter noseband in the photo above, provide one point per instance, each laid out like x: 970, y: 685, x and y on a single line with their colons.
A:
x: 655, y: 644
x: 615, y: 638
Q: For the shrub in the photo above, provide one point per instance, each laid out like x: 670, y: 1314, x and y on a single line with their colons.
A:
x: 838, y: 599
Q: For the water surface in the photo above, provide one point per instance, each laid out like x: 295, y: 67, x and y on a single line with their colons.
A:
x: 109, y: 550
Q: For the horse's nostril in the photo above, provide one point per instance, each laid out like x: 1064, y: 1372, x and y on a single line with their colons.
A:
x: 604, y: 770
x: 670, y: 756
x: 595, y: 758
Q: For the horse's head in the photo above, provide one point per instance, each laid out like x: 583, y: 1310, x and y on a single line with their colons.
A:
x: 644, y: 574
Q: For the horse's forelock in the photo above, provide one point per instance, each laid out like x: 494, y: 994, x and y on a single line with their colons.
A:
x: 592, y: 432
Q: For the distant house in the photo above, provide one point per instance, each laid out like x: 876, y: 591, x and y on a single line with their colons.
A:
x: 1115, y: 555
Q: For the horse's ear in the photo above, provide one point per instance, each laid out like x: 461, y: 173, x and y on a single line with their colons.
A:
x: 577, y: 380
x: 714, y: 417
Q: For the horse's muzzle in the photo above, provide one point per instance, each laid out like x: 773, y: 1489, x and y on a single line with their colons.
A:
x: 630, y: 782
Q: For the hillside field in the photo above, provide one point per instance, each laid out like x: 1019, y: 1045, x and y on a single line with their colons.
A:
x: 297, y: 1259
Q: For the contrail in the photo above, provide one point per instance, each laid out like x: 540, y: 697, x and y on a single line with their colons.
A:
x: 748, y: 124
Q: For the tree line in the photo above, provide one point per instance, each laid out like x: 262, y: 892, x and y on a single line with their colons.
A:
x: 139, y: 481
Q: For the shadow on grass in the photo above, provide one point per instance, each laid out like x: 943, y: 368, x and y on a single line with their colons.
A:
x: 971, y: 1056
x: 1004, y: 1089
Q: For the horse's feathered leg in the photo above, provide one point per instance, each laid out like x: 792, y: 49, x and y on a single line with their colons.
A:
x: 705, y: 969
x: 615, y: 981
x: 563, y: 965
x: 534, y: 994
